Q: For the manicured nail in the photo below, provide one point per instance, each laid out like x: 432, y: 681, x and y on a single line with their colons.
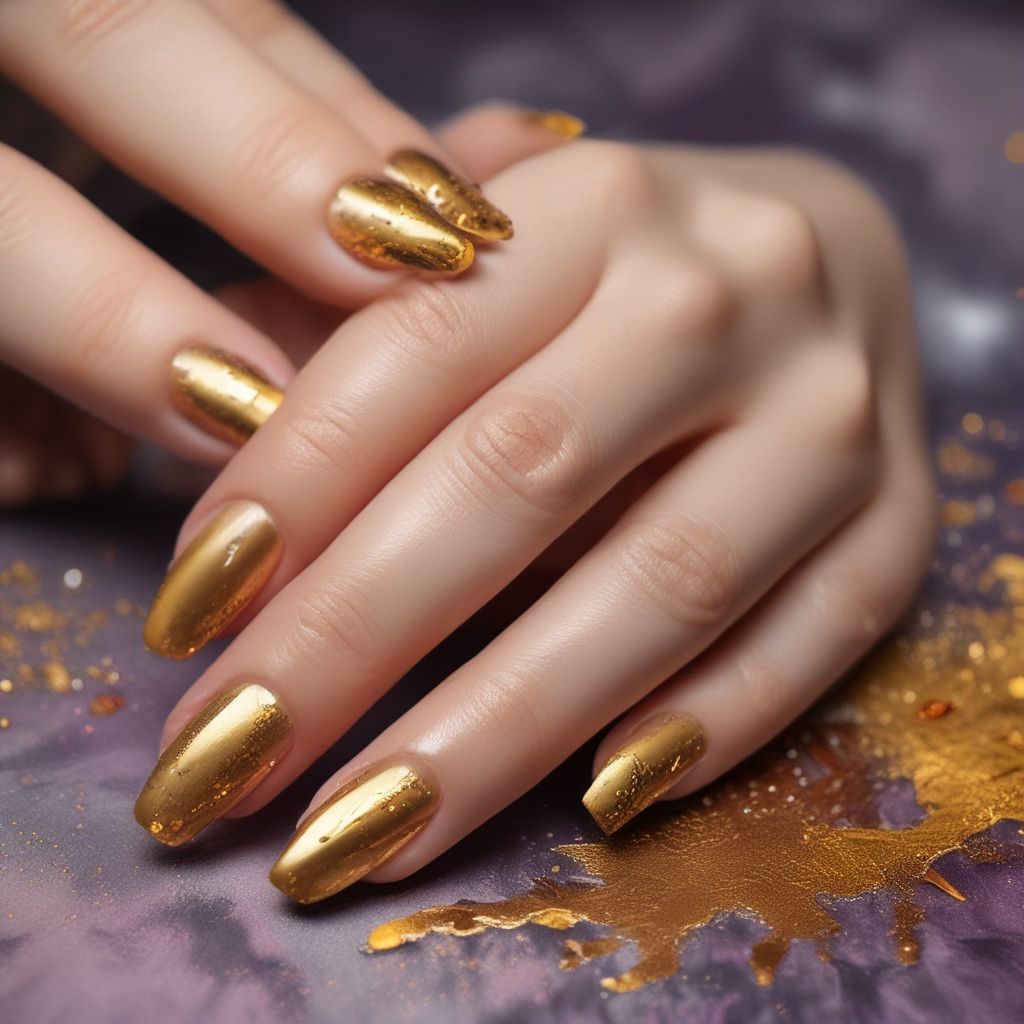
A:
x: 566, y: 126
x: 213, y: 580
x: 219, y: 758
x: 388, y: 226
x: 221, y: 394
x: 459, y: 201
x: 642, y: 770
x: 361, y: 826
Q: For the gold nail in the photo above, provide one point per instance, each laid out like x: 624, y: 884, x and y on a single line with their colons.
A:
x: 213, y: 580
x: 221, y: 394
x: 642, y: 770
x: 567, y: 126
x: 388, y: 226
x: 459, y: 201
x: 213, y: 763
x: 361, y: 826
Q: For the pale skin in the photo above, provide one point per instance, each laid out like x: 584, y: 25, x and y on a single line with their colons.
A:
x: 713, y: 350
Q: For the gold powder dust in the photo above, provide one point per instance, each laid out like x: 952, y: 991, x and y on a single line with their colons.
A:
x: 1015, y: 491
x: 57, y: 676
x: 1016, y: 687
x: 957, y: 512
x: 1014, y: 148
x: 5, y: 722
x: 38, y: 617
x: 973, y: 423
x: 958, y: 461
x: 780, y: 847
x: 106, y: 704
x: 6, y: 686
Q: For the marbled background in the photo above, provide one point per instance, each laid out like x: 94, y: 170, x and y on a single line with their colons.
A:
x: 97, y: 923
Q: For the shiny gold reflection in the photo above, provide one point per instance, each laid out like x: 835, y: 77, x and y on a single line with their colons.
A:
x: 799, y: 827
x: 459, y: 201
x: 213, y: 580
x: 213, y: 763
x: 649, y: 764
x: 567, y: 126
x: 361, y: 826
x: 388, y: 226
x: 221, y: 394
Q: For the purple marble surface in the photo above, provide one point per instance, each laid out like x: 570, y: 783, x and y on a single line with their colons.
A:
x: 99, y: 924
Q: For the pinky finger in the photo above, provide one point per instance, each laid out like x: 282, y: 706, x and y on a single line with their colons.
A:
x: 782, y: 656
x: 96, y: 317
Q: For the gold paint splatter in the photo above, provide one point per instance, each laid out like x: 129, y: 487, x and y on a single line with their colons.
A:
x: 1016, y: 687
x: 934, y: 709
x: 6, y: 686
x: 57, y: 676
x: 1015, y: 491
x: 779, y: 847
x: 106, y: 704
x: 972, y: 423
x: 38, y: 617
x: 1014, y: 148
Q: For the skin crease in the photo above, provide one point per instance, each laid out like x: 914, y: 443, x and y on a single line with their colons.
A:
x: 745, y: 311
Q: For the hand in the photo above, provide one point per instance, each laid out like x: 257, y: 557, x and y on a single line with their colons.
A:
x: 244, y: 117
x: 692, y: 372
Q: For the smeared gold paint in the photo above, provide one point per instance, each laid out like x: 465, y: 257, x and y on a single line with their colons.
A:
x: 797, y: 828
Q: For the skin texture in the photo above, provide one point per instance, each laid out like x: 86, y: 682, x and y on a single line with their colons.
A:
x: 686, y: 392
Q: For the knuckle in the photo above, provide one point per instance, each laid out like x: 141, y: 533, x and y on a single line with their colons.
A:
x: 788, y: 253
x: 431, y: 324
x: 255, y: 20
x: 105, y: 320
x: 685, y: 566
x: 15, y: 210
x: 325, y: 435
x: 853, y: 609
x: 528, y: 448
x: 625, y: 175
x: 850, y: 414
x: 276, y: 148
x: 694, y: 298
x: 82, y: 24
x: 762, y: 686
x: 332, y: 620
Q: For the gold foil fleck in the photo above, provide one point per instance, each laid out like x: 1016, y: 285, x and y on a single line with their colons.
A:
x: 566, y: 126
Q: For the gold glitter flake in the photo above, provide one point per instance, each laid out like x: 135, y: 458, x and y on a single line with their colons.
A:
x: 780, y: 847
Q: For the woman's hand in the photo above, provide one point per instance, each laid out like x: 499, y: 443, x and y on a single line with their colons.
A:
x: 244, y: 117
x: 710, y: 353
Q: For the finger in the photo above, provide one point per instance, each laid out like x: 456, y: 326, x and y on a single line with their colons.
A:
x: 96, y: 317
x: 702, y: 547
x: 391, y: 379
x: 238, y: 144
x: 458, y: 523
x: 481, y: 141
x: 822, y: 619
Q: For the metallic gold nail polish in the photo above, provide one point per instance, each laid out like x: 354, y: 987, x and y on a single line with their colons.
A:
x: 567, y: 126
x: 459, y: 201
x: 643, y: 769
x: 213, y: 763
x: 221, y: 394
x: 388, y: 226
x: 213, y: 580
x: 361, y: 826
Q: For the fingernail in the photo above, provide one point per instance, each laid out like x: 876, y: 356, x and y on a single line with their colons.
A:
x: 213, y: 580
x: 388, y: 226
x: 217, y: 760
x: 361, y: 826
x: 642, y: 770
x: 564, y: 125
x: 221, y: 394
x: 459, y: 201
